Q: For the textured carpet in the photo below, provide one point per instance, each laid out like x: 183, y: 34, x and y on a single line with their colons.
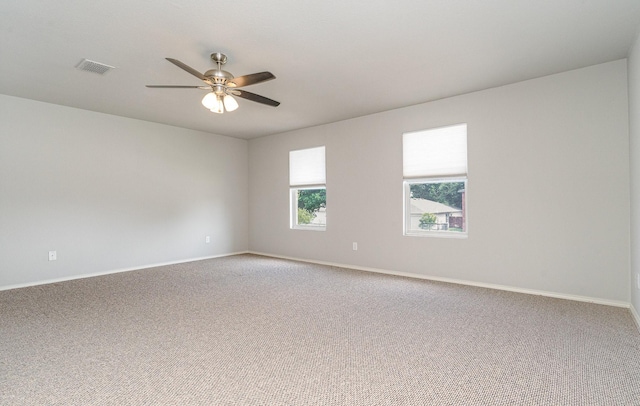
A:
x: 250, y: 330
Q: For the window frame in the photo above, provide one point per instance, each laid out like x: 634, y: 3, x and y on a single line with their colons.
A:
x: 306, y: 172
x: 409, y: 231
x: 293, y: 203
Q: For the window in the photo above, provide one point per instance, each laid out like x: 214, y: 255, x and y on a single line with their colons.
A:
x: 435, y: 181
x: 307, y: 187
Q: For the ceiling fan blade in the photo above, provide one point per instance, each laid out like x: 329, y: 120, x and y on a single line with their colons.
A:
x: 254, y: 97
x: 178, y: 87
x: 187, y: 68
x: 252, y: 79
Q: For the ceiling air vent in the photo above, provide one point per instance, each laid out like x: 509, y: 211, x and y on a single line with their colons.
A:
x: 95, y: 67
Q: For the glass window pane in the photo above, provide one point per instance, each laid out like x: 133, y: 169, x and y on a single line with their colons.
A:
x: 310, y: 208
x: 436, y: 206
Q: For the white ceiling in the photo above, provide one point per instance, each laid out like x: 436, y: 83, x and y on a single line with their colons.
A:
x: 333, y: 59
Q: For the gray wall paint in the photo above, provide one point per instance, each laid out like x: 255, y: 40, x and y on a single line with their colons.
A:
x: 111, y: 193
x: 634, y: 133
x: 548, y: 193
x: 546, y: 157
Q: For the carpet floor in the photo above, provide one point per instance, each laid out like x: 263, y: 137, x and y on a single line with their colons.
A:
x: 252, y: 330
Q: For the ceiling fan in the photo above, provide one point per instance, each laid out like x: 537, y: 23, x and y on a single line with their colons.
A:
x: 223, y: 85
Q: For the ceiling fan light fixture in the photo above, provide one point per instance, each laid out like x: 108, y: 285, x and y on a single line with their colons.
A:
x: 209, y: 100
x: 218, y: 106
x: 217, y: 103
x: 230, y: 103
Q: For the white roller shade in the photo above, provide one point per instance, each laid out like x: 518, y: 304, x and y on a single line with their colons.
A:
x: 307, y: 167
x: 436, y: 152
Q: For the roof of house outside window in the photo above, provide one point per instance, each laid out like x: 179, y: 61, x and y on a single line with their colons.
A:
x: 419, y: 206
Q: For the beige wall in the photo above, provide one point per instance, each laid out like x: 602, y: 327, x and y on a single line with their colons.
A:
x: 550, y: 155
x: 111, y: 193
x: 634, y: 132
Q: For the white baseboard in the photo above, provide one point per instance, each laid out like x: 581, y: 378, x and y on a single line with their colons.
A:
x: 556, y: 295
x: 578, y: 298
x: 82, y: 276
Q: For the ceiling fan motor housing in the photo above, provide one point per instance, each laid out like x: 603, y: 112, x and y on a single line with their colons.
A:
x: 218, y: 77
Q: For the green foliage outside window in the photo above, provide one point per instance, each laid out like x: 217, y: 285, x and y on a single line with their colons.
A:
x: 427, y: 220
x: 446, y: 193
x: 304, y: 216
x: 312, y: 200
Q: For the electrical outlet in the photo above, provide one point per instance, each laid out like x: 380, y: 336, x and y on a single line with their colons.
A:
x: 53, y: 255
x: 355, y: 246
x: 207, y: 239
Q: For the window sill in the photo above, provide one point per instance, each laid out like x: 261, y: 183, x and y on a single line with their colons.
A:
x: 437, y: 234
x: 309, y: 228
